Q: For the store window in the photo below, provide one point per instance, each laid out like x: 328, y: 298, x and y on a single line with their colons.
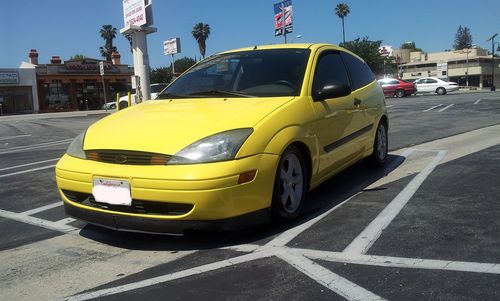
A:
x: 57, y: 95
x: 15, y: 100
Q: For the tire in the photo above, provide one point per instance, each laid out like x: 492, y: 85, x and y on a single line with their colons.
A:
x: 441, y: 91
x: 399, y: 93
x: 112, y: 107
x: 380, y: 146
x: 290, y: 185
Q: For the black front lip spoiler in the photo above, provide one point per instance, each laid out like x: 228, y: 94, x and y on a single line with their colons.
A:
x: 161, y: 226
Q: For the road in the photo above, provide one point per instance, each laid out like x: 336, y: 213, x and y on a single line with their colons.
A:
x: 424, y: 227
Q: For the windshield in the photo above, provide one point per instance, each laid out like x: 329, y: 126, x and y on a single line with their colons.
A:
x: 155, y: 88
x: 256, y: 73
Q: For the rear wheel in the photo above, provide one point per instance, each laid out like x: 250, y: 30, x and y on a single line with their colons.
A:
x: 399, y: 93
x: 380, y: 146
x: 289, y: 185
x: 441, y: 91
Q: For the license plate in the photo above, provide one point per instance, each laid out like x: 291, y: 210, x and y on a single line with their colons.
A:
x: 114, y: 192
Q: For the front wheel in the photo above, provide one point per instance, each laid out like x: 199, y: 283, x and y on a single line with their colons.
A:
x: 380, y: 146
x: 289, y: 185
x: 399, y: 93
x: 441, y: 91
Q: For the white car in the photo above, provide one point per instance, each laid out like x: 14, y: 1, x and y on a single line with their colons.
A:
x: 435, y: 85
x: 155, y: 89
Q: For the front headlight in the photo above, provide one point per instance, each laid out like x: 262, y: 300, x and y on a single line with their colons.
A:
x: 75, y: 149
x: 219, y: 147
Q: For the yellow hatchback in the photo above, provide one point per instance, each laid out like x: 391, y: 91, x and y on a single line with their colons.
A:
x: 238, y: 139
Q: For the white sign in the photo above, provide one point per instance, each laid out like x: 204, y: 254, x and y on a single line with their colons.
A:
x: 385, y: 50
x: 441, y: 69
x: 9, y: 77
x: 101, y: 67
x: 134, y: 13
x: 172, y: 46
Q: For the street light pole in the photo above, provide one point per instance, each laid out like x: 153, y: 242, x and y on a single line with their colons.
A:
x: 492, y: 61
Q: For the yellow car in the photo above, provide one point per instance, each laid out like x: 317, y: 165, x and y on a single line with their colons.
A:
x: 238, y: 139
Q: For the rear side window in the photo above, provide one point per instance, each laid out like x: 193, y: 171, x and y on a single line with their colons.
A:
x: 361, y: 74
x: 330, y: 69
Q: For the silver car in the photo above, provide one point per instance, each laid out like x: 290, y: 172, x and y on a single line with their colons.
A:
x: 435, y: 85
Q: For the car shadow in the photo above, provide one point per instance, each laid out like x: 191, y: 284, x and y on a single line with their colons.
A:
x: 326, y: 196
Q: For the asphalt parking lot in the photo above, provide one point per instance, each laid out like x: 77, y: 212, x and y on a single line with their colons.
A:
x: 426, y: 227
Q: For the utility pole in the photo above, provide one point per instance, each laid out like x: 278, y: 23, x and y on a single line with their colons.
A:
x: 492, y: 61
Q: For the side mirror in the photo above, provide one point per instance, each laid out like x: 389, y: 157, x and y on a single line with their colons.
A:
x: 332, y: 90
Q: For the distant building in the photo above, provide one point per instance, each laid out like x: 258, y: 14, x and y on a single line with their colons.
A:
x: 61, y: 86
x: 450, y: 65
x: 18, y: 90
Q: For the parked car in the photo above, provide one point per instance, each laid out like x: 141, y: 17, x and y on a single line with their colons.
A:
x: 394, y: 87
x: 155, y: 89
x: 239, y: 138
x: 435, y: 85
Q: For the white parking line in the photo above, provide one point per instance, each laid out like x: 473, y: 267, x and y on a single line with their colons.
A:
x: 14, y: 137
x: 372, y: 232
x: 35, y: 146
x: 65, y: 221
x: 26, y: 171
x: 327, y: 278
x: 477, y: 101
x: 169, y: 277
x: 38, y: 222
x: 389, y: 106
x: 28, y: 164
x: 448, y: 106
x: 41, y: 209
x: 431, y: 108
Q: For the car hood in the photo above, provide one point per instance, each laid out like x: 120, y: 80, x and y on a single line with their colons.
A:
x: 167, y: 126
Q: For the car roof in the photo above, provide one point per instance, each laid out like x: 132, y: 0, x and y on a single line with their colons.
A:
x: 312, y: 46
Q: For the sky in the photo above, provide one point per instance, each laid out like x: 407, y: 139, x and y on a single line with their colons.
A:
x: 69, y: 27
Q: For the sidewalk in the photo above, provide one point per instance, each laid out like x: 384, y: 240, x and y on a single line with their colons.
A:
x: 54, y: 115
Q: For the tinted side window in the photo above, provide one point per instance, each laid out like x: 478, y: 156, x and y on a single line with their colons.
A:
x: 330, y: 69
x: 430, y: 81
x: 361, y: 74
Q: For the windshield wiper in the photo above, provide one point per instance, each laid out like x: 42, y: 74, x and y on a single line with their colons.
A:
x: 220, y: 93
x: 169, y: 96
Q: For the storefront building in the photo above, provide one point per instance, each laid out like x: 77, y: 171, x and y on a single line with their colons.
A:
x: 467, y: 67
x: 18, y: 90
x: 77, y: 84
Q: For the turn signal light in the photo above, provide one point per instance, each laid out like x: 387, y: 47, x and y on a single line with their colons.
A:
x: 247, y: 177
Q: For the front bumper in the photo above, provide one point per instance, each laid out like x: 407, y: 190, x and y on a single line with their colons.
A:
x: 211, y: 193
x: 162, y: 226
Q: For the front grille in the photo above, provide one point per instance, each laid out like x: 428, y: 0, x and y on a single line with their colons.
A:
x: 127, y: 157
x: 138, y: 206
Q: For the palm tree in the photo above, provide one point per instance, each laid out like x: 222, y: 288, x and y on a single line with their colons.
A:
x: 200, y: 33
x: 108, y: 33
x: 342, y: 10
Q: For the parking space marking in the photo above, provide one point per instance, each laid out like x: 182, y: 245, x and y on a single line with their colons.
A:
x: 26, y: 171
x: 28, y: 164
x: 19, y: 149
x: 372, y: 232
x: 431, y: 108
x: 329, y: 279
x: 401, y: 262
x: 20, y: 217
x: 477, y: 101
x: 169, y: 277
x: 65, y: 221
x: 43, y: 208
x: 389, y: 106
x: 14, y: 137
x: 445, y: 108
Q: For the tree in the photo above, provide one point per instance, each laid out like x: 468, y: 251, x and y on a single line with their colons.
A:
x: 108, y: 33
x: 369, y: 52
x: 78, y: 57
x: 410, y: 45
x: 463, y: 38
x: 342, y: 10
x: 200, y: 33
x: 164, y: 74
